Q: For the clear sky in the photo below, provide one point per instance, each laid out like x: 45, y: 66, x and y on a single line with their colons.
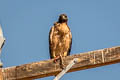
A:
x: 95, y: 24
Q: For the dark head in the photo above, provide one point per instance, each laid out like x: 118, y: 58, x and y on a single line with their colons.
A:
x: 63, y: 18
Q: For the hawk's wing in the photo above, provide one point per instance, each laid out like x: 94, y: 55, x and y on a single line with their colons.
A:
x: 2, y: 39
x: 50, y: 42
x: 70, y: 44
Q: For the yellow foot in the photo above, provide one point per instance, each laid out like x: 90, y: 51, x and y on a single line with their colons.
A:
x: 56, y: 58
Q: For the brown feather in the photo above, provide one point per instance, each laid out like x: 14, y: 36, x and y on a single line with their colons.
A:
x: 60, y: 40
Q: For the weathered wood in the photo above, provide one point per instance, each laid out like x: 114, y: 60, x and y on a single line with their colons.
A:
x: 49, y: 68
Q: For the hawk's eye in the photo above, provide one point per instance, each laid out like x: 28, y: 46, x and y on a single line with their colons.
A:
x: 65, y: 16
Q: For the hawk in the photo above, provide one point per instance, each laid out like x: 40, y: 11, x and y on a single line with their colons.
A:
x: 60, y: 39
x: 2, y: 41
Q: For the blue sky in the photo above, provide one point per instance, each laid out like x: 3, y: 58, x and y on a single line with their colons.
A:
x: 94, y: 24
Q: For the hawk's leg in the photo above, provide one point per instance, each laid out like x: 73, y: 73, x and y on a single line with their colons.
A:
x: 61, y: 62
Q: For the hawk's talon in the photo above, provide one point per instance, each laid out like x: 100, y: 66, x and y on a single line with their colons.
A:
x: 56, y: 58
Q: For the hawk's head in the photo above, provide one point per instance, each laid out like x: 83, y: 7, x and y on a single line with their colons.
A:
x: 63, y: 18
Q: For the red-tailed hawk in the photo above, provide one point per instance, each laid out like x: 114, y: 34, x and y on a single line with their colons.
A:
x: 2, y: 41
x: 60, y: 39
